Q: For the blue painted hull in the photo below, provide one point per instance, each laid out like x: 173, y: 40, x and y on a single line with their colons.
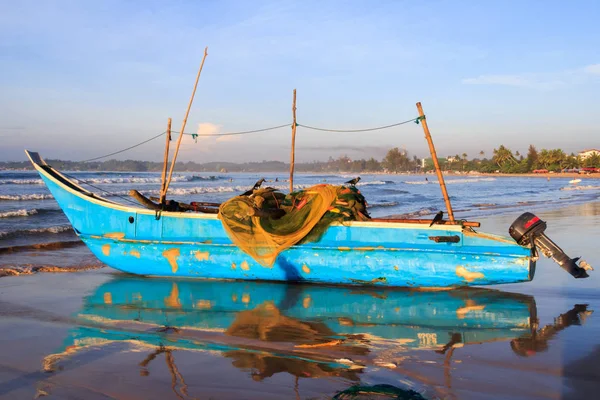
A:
x: 298, y: 325
x: 139, y: 241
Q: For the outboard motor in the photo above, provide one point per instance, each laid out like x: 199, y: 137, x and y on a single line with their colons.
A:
x: 528, y: 230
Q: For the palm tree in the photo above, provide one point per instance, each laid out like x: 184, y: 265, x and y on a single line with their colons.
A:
x: 503, y: 155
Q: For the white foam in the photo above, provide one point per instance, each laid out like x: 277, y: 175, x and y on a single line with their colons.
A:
x: 18, y: 213
x: 21, y: 182
x: 22, y: 197
x: 52, y: 229
x: 587, y: 187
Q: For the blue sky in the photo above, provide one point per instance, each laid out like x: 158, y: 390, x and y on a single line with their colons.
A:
x: 81, y: 78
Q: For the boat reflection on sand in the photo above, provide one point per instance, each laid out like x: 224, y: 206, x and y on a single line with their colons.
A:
x: 308, y: 331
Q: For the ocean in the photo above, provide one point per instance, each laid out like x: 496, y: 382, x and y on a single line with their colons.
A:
x: 66, y: 335
x: 30, y: 217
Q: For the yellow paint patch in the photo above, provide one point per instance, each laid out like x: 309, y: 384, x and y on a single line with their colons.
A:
x: 244, y: 266
x: 234, y: 298
x: 172, y: 300
x: 204, y: 304
x: 233, y: 266
x: 306, y: 302
x: 245, y: 298
x: 467, y: 275
x: 463, y: 311
x: 305, y: 269
x: 114, y: 235
x: 396, y: 268
x: 171, y: 256
x: 201, y: 255
x: 107, y: 298
x: 135, y: 253
x: 106, y: 250
x: 326, y: 344
x: 344, y: 248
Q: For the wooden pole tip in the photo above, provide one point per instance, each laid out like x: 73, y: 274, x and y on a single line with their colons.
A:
x: 206, y: 50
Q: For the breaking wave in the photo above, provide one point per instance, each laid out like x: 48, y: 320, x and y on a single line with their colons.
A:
x: 18, y: 213
x: 20, y: 232
x: 587, y: 187
x: 21, y: 182
x: 375, y: 183
x: 24, y: 197
x: 383, y: 204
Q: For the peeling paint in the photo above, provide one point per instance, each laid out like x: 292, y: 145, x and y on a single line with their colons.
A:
x: 135, y: 253
x: 306, y: 302
x: 234, y: 298
x: 107, y: 298
x: 114, y: 235
x: 468, y: 275
x: 172, y: 300
x: 396, y: 268
x: 201, y: 255
x: 204, y: 304
x: 106, y: 250
x: 244, y: 266
x: 171, y: 256
x: 245, y: 298
x: 305, y: 269
x: 341, y: 248
x: 233, y: 266
x: 462, y: 312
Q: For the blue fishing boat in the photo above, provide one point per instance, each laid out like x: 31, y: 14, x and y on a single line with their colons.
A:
x: 402, y: 253
x: 145, y: 242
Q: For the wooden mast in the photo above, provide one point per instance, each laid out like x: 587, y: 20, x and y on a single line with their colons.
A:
x: 293, y: 154
x: 438, y: 171
x: 163, y: 178
x: 184, y: 123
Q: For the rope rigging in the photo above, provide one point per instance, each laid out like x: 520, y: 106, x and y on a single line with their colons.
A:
x: 416, y: 120
x: 128, y: 148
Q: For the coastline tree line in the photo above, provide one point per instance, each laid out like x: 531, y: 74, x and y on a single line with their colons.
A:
x: 501, y: 159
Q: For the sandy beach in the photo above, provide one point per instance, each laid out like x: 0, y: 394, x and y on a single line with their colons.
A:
x: 66, y: 335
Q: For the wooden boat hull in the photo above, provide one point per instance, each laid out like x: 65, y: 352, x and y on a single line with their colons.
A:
x: 145, y: 242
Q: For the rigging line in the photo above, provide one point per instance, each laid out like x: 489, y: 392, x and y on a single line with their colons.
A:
x: 234, y: 133
x: 100, y: 189
x: 360, y: 130
x: 128, y: 148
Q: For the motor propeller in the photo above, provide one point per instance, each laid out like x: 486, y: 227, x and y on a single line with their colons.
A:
x: 528, y: 230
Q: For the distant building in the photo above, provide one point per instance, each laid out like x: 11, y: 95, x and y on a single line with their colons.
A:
x: 451, y: 159
x: 588, y: 153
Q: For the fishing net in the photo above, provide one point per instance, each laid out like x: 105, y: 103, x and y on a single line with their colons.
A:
x: 267, y: 222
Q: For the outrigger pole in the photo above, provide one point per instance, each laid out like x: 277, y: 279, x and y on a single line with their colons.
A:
x: 438, y: 171
x: 168, y: 182
x: 293, y: 153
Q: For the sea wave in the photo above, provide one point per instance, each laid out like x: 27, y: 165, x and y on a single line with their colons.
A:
x: 375, y: 183
x: 21, y: 182
x: 383, y: 204
x: 24, y: 197
x: 18, y: 213
x: 587, y: 187
x: 451, y: 181
x: 51, y: 229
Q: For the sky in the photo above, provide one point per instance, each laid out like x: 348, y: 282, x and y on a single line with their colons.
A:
x: 79, y: 79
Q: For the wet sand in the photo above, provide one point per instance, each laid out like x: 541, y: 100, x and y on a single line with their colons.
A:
x: 102, y: 334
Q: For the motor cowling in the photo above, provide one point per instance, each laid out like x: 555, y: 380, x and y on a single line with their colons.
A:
x: 528, y: 230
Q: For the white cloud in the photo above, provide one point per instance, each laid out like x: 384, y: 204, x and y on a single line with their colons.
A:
x: 593, y: 69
